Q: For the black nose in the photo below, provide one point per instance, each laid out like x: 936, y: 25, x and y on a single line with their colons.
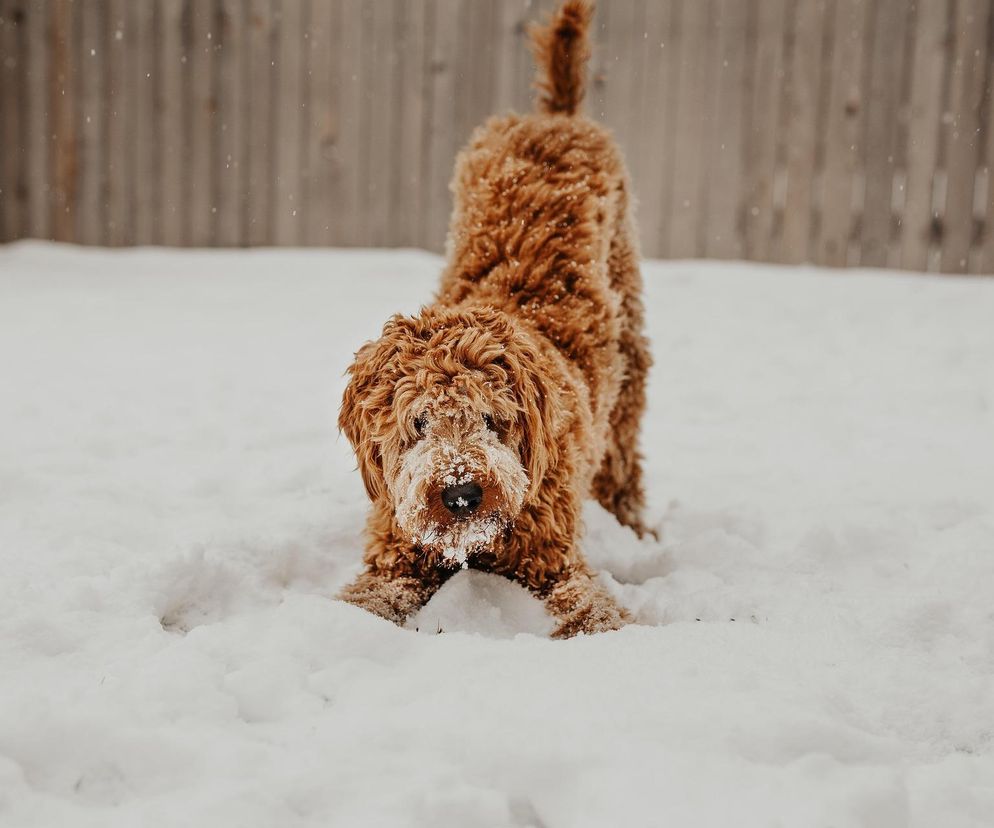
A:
x: 463, y: 499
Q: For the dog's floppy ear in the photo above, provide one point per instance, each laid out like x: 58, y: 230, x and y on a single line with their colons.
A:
x: 367, y: 397
x: 541, y: 412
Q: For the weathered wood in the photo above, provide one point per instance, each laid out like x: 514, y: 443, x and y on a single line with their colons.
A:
x: 290, y: 124
x: 801, y: 99
x: 198, y: 94
x: 322, y: 114
x: 724, y: 234
x: 693, y: 118
x: 37, y: 135
x: 983, y: 262
x: 514, y: 63
x: 118, y: 230
x: 379, y: 115
x: 6, y: 193
x: 12, y: 224
x: 63, y: 162
x: 924, y: 129
x: 885, y: 33
x: 622, y: 47
x: 835, y: 131
x: 229, y: 134
x: 261, y: 138
x: 962, y: 132
x: 441, y: 135
x: 344, y: 216
x: 141, y: 86
x: 765, y: 62
x: 170, y: 118
x: 480, y: 74
x: 843, y: 133
x: 409, y: 147
x: 88, y: 97
x: 652, y: 176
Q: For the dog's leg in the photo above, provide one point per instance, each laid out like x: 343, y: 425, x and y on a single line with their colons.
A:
x: 543, y: 557
x: 581, y: 605
x: 618, y: 484
x: 397, y: 580
x: 390, y: 595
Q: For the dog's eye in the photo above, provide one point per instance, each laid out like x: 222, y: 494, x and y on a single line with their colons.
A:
x: 420, y: 424
x: 488, y: 421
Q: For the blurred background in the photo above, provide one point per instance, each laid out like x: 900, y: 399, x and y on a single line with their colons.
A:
x: 838, y: 132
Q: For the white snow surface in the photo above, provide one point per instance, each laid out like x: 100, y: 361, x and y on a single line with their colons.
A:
x: 815, y: 644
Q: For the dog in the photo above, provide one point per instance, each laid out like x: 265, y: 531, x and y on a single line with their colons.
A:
x: 481, y: 424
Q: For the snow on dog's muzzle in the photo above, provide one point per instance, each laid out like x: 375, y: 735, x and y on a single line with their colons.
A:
x: 457, y: 488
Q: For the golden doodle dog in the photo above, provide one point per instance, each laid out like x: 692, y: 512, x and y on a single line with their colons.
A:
x: 481, y: 424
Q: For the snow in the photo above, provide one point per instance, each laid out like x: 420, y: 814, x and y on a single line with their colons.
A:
x: 816, y: 636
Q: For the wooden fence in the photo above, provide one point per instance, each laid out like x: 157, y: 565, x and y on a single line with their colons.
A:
x: 840, y: 132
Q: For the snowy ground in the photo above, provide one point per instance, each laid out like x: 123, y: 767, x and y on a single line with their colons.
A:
x: 816, y: 638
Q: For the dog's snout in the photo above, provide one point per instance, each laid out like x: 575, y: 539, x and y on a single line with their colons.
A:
x: 463, y: 499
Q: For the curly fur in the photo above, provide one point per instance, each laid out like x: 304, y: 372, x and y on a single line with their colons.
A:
x: 527, y: 373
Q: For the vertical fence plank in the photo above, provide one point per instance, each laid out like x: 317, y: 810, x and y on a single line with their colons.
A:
x: 394, y: 188
x: 963, y: 130
x: 322, y: 114
x: 380, y: 116
x: 472, y: 63
x: 116, y: 122
x: 626, y: 109
x: 63, y: 124
x: 801, y: 91
x: 481, y: 78
x: 289, y: 124
x: 406, y: 201
x: 885, y: 34
x: 364, y: 150
x: 11, y: 17
x: 984, y: 262
x: 685, y: 207
x: 843, y: 134
x: 924, y: 128
x: 89, y: 23
x: 622, y: 71
x: 513, y: 74
x: 260, y: 79
x: 229, y: 156
x: 141, y: 85
x: 765, y: 60
x: 724, y: 202
x: 37, y: 135
x: 595, y: 104
x: 169, y: 118
x: 198, y: 100
x: 654, y: 164
x: 6, y: 190
x: 441, y: 131
x: 344, y: 217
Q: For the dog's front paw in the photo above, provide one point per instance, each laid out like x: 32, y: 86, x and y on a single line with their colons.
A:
x: 592, y: 618
x: 581, y: 606
x: 392, y: 598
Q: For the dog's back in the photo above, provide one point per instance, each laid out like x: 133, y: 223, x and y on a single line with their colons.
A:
x: 541, y: 226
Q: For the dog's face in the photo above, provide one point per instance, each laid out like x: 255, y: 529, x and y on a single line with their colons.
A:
x: 453, y: 421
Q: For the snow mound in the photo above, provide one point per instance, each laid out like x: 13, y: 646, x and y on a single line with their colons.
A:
x: 815, y: 636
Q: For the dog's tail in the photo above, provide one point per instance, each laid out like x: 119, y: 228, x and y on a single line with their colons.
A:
x: 561, y: 50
